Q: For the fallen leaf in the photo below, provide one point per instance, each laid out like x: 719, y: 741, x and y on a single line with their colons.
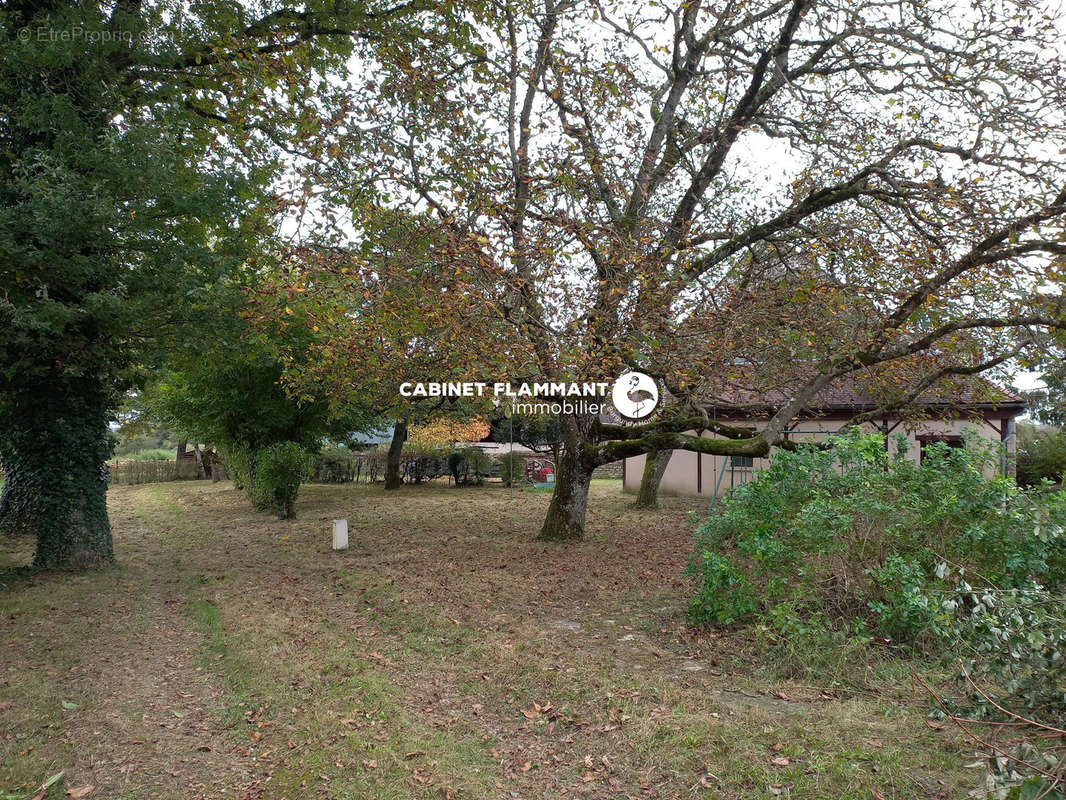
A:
x: 81, y: 791
x: 780, y: 761
x: 48, y: 785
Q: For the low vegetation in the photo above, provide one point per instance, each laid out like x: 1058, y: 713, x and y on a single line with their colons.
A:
x: 831, y: 552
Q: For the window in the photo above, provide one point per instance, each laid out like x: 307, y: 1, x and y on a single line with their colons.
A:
x: 745, y: 462
x: 927, y: 439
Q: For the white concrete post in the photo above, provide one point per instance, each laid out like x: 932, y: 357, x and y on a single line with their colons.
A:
x: 340, y: 534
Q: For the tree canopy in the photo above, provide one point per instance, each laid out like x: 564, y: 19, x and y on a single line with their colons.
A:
x: 779, y: 196
x: 805, y: 192
x: 142, y: 146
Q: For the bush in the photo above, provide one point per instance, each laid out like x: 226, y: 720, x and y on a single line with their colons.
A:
x: 1041, y: 455
x: 238, y: 461
x: 423, y: 464
x: 858, y: 540
x: 1015, y: 645
x: 333, y: 465
x: 830, y: 550
x: 512, y: 468
x: 278, y: 471
x: 469, y: 466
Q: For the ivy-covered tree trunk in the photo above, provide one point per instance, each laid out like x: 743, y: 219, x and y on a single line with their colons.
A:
x: 566, y: 512
x: 55, y: 439
x: 654, y: 468
x: 13, y: 519
x: 393, y: 478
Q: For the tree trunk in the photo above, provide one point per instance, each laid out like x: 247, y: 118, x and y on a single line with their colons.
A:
x: 182, y: 446
x: 654, y: 467
x: 13, y: 503
x: 56, y: 442
x: 573, y: 474
x: 393, y: 478
x: 566, y: 512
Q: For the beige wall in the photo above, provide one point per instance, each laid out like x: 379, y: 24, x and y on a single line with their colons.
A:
x: 701, y: 474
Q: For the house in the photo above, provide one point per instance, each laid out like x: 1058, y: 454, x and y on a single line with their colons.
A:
x: 940, y: 414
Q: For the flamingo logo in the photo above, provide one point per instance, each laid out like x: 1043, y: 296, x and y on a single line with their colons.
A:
x: 635, y: 395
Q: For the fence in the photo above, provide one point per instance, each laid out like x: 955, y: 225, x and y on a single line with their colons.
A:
x: 131, y: 472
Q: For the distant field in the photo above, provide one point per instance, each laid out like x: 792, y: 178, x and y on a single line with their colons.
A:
x: 155, y: 454
x: 446, y: 654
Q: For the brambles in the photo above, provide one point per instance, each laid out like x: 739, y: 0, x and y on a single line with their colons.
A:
x: 873, y: 542
x: 829, y: 551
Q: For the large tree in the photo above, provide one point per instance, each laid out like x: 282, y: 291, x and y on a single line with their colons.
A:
x: 136, y: 141
x: 398, y: 307
x: 780, y: 194
x: 228, y: 389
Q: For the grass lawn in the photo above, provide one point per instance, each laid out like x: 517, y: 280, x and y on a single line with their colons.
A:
x: 446, y: 654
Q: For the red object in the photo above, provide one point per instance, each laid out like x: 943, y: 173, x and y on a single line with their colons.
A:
x: 543, y: 474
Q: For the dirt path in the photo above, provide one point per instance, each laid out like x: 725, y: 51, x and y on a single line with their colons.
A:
x: 118, y: 646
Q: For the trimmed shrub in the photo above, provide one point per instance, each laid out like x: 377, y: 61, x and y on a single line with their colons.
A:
x: 238, y: 462
x: 512, y: 468
x: 279, y: 470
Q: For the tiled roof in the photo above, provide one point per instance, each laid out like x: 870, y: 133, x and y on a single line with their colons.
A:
x: 851, y: 393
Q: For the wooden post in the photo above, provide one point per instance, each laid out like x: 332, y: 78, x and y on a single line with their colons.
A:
x: 340, y: 534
